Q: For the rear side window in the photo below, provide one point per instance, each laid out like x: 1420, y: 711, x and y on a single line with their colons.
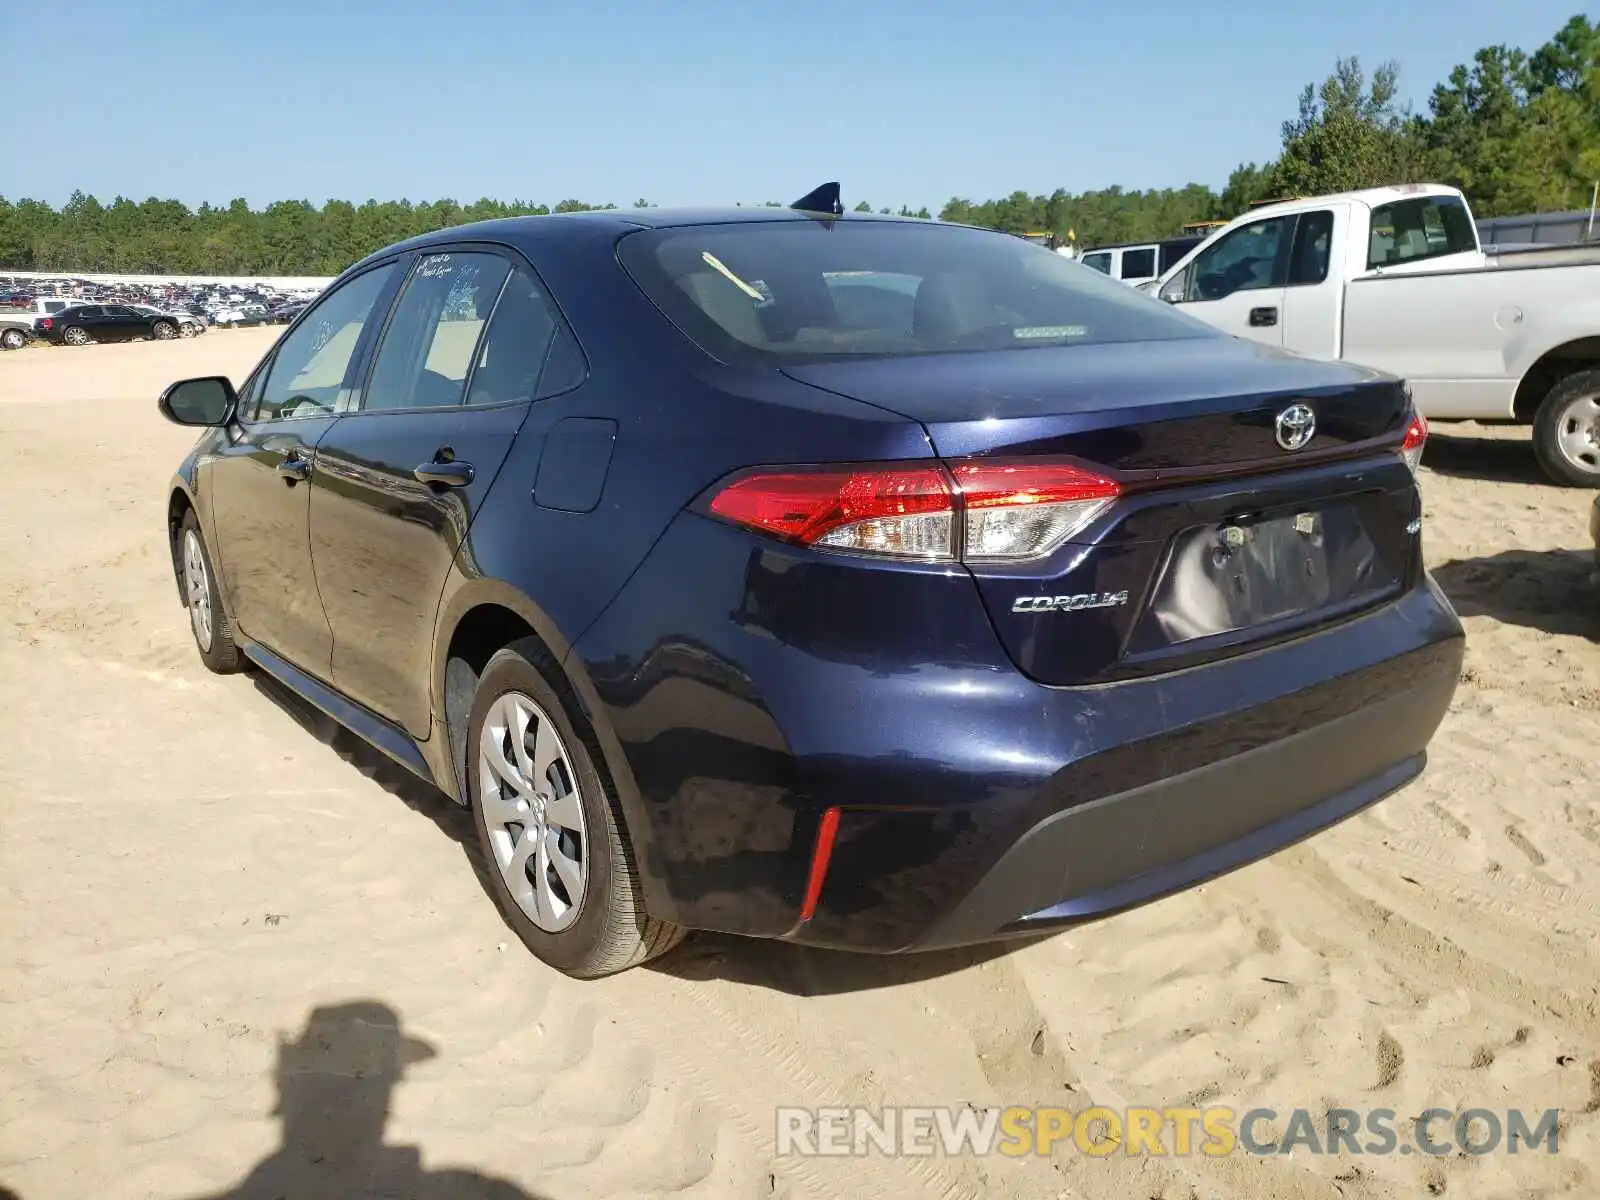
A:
x: 1099, y: 261
x: 527, y: 351
x: 1140, y: 263
x: 1412, y: 230
x: 772, y: 292
x: 429, y: 345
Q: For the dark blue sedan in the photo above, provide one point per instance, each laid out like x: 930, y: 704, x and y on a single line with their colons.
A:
x: 867, y: 583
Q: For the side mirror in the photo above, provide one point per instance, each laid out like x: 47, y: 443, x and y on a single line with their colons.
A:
x: 1172, y: 291
x: 207, y: 401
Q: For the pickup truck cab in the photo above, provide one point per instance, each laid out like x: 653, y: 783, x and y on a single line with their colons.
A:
x: 1394, y: 278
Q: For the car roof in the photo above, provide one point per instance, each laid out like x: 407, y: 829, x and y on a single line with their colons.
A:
x: 612, y: 223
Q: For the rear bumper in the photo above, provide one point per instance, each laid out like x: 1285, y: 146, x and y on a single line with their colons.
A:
x: 741, y: 691
x: 1093, y: 859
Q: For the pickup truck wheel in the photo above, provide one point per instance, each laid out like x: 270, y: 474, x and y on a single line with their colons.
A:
x: 13, y: 339
x: 1566, y: 431
x: 558, y: 860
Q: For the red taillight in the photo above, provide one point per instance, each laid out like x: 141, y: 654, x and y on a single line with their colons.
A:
x: 46, y: 323
x: 900, y: 509
x: 821, y: 852
x: 1411, y: 445
x: 1005, y: 511
x: 1022, y: 510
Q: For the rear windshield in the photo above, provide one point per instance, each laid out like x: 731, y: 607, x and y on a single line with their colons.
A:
x: 781, y: 292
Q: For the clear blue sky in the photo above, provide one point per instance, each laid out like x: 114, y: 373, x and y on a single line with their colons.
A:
x: 685, y: 101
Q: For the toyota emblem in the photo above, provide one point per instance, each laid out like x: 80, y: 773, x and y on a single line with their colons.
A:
x: 1296, y: 425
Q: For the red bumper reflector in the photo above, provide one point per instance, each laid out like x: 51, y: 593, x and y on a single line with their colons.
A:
x: 820, y: 854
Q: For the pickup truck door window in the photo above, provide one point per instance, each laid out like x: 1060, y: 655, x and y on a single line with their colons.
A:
x: 1312, y: 302
x: 1238, y: 283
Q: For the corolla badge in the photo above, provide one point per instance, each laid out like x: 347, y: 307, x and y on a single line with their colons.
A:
x: 1295, y: 426
x: 1076, y: 603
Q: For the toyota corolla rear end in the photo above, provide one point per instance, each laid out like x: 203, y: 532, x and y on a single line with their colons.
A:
x: 1150, y: 606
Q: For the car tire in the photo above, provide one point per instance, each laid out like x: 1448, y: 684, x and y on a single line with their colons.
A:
x: 186, y: 330
x: 208, y: 618
x: 164, y: 331
x: 1566, y: 431
x: 571, y: 811
x: 76, y: 335
x: 13, y: 339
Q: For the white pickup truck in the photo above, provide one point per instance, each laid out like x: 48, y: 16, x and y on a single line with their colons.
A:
x: 16, y: 324
x: 1394, y: 278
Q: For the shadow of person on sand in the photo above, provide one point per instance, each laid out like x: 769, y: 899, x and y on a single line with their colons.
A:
x: 335, y: 1084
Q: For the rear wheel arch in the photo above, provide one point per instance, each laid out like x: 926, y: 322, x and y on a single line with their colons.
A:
x: 1549, y: 369
x: 475, y: 622
x: 484, y: 618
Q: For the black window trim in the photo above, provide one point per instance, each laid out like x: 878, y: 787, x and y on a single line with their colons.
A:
x: 515, y: 260
x: 385, y: 298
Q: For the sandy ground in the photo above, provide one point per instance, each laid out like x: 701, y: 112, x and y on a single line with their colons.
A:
x: 218, y: 918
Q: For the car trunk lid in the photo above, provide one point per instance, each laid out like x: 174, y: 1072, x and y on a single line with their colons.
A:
x: 1260, y: 494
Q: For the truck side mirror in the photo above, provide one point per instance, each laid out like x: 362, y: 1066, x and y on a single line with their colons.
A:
x: 1173, y: 290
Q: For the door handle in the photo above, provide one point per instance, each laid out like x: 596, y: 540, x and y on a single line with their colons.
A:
x: 1263, y: 316
x: 295, y: 467
x: 440, y: 473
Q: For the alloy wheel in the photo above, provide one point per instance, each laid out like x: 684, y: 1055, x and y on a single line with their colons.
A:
x: 529, y: 797
x: 197, y: 590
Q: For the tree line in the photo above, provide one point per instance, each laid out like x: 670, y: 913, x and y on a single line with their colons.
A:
x: 1517, y: 131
